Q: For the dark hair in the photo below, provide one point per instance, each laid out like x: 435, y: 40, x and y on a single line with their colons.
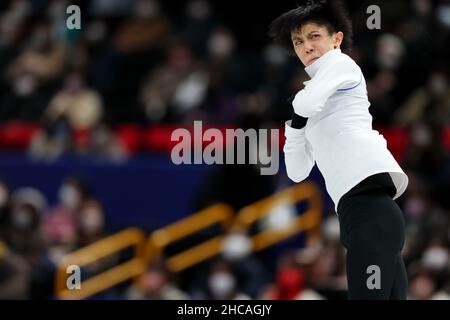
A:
x: 330, y: 14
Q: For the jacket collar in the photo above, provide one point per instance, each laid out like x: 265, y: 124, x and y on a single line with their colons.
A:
x: 312, y: 68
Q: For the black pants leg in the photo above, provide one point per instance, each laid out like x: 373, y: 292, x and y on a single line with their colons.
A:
x: 372, y: 230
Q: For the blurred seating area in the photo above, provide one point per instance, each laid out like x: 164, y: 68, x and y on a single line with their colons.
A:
x: 138, y: 69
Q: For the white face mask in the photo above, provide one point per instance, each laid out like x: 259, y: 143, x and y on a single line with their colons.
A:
x: 24, y: 85
x: 236, y: 246
x: 435, y: 258
x: 390, y: 51
x: 69, y: 197
x: 331, y: 229
x: 92, y: 221
x: 221, y: 284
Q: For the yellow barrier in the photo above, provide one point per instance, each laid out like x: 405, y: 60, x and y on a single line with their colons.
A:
x: 160, y: 239
x: 308, y: 221
x: 99, y: 250
x: 147, y: 250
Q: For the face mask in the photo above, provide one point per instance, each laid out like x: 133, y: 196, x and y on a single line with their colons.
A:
x: 443, y: 14
x: 92, y: 221
x: 438, y: 85
x: 331, y: 230
x: 221, y: 284
x: 280, y: 217
x: 69, y: 197
x: 191, y: 92
x: 24, y: 85
x: 435, y: 258
x: 275, y: 55
x: 22, y: 219
x: 390, y: 51
x: 236, y: 246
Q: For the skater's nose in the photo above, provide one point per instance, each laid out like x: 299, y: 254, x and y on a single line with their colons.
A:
x: 309, y: 48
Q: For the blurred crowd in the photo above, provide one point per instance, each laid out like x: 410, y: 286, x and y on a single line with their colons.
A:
x: 149, y: 62
x: 35, y: 235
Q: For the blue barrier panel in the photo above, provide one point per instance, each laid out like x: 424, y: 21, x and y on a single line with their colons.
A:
x: 148, y: 191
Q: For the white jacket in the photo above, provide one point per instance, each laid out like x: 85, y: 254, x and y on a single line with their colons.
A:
x: 338, y: 135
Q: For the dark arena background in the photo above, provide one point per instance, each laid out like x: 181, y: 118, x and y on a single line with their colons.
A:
x: 92, y: 205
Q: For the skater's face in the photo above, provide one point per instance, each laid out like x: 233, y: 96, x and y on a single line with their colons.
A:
x: 312, y: 40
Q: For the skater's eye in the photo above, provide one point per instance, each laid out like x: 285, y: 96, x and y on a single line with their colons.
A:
x: 298, y: 42
x: 315, y: 36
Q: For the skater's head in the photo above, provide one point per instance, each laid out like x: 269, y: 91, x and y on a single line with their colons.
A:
x: 312, y: 29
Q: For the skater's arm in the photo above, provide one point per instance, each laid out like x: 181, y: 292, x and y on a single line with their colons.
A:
x: 297, y: 152
x: 338, y: 75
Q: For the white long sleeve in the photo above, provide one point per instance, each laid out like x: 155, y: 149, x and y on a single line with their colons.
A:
x: 297, y: 154
x: 338, y: 74
x: 338, y: 136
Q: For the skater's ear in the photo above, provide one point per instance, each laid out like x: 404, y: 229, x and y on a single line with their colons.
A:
x: 338, y: 37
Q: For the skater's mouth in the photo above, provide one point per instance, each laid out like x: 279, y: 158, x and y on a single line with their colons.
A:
x: 313, y: 59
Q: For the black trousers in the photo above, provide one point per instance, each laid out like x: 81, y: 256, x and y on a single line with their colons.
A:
x: 372, y: 230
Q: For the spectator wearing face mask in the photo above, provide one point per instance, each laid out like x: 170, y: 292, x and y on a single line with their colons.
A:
x: 61, y: 223
x: 221, y: 283
x: 156, y: 284
x: 248, y: 268
x: 22, y: 231
x: 177, y: 88
x: 385, y: 81
x: 436, y: 258
x: 91, y: 223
